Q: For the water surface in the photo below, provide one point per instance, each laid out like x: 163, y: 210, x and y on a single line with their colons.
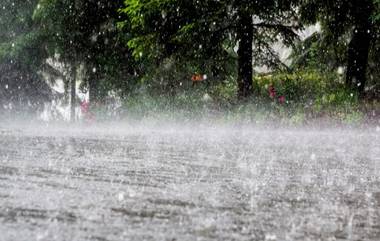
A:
x: 199, y: 183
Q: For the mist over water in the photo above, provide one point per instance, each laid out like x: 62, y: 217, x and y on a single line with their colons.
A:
x: 175, y: 181
x: 189, y: 120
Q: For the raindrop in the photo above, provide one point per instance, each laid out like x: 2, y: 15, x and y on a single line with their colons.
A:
x: 121, y: 196
x: 313, y: 157
x: 131, y: 193
x: 270, y: 237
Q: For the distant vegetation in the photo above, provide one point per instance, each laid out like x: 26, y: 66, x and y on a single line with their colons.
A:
x: 191, y: 57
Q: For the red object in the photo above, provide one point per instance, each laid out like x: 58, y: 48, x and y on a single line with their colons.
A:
x: 197, y: 78
x: 272, y: 92
x: 281, y: 99
x: 85, y: 109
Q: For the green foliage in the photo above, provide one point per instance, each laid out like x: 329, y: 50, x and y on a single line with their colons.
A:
x: 308, y: 93
x: 224, y: 91
x: 376, y: 15
x: 85, y: 32
x: 297, y: 87
x: 24, y: 48
x: 316, y: 52
x: 202, y: 34
x: 349, y: 27
x: 20, y: 40
x: 147, y: 50
x: 21, y: 57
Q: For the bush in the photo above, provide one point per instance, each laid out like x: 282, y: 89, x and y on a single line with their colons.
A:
x: 292, y: 98
x: 298, y: 86
x: 313, y: 93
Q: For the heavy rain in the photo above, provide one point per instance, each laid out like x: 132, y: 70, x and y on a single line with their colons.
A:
x: 189, y: 120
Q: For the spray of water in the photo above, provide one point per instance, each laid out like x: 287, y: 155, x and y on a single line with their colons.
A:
x: 175, y: 181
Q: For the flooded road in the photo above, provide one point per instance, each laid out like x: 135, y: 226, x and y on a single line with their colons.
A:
x: 189, y: 184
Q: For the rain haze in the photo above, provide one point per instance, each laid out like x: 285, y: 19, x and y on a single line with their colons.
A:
x: 189, y: 120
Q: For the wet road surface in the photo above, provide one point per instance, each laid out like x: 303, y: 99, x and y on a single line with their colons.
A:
x: 189, y: 184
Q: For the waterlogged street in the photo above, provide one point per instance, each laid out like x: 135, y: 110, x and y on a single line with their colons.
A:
x: 183, y: 183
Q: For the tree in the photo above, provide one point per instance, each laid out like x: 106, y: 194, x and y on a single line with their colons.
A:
x: 83, y: 32
x: 377, y: 11
x: 21, y: 58
x: 210, y: 29
x: 58, y: 19
x: 342, y: 20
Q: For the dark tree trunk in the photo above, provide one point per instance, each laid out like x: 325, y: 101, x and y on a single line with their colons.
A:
x: 357, y: 58
x: 92, y: 79
x: 245, y: 68
x: 358, y: 48
x: 93, y: 88
x: 73, y: 92
x: 66, y: 87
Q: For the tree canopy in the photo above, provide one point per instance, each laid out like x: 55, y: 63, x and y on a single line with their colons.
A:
x: 126, y: 45
x: 21, y: 57
x: 350, y: 25
x: 201, y: 31
x: 84, y: 32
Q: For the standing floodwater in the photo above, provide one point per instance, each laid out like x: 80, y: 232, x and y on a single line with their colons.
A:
x: 177, y: 184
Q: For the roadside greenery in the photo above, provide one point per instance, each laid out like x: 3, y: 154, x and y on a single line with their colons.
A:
x: 300, y: 98
x: 195, y: 57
